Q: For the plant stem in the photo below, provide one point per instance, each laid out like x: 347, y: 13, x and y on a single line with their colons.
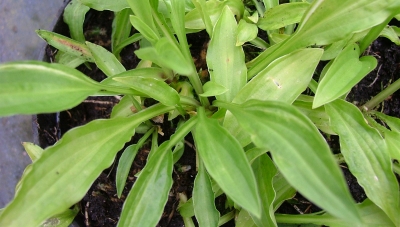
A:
x: 382, y: 96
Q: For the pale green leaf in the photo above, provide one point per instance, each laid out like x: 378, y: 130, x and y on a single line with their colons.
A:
x: 66, y: 44
x: 393, y: 122
x: 37, y: 87
x: 326, y: 21
x: 345, y: 72
x: 276, y: 82
x: 144, y: 29
x: 264, y: 170
x: 206, y: 213
x: 74, y: 16
x: 124, y: 165
x: 244, y: 219
x: 100, y: 5
x: 299, y: 151
x: 246, y: 32
x: 66, y: 171
x: 33, y: 150
x: 226, y: 163
x: 318, y: 115
x: 142, y: 207
x: 367, y: 156
x: 194, y: 20
x: 105, y: 60
x: 284, y: 79
x: 121, y: 29
x: 283, y: 190
x: 370, y: 214
x: 392, y: 33
x: 154, y: 88
x: 225, y: 60
x: 392, y: 139
x: 63, y: 219
x: 80, y: 156
x: 212, y: 89
x: 282, y: 15
x: 68, y: 59
x: 143, y: 11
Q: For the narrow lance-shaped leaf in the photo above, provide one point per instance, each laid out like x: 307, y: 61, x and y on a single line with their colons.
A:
x: 345, y: 72
x: 66, y: 170
x: 225, y: 60
x: 66, y: 44
x: 141, y: 207
x: 37, y: 87
x: 121, y: 29
x: 226, y: 163
x: 100, y: 5
x: 284, y: 80
x: 74, y: 16
x: 265, y: 170
x: 367, y: 156
x: 299, y: 151
x: 156, y: 89
x: 207, y: 214
x: 283, y: 15
x: 124, y: 165
x: 105, y: 60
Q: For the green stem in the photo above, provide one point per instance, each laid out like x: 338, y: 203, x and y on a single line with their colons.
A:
x: 302, y: 219
x: 259, y: 7
x: 226, y: 217
x: 382, y: 96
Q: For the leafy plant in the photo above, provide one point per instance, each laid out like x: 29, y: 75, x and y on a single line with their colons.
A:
x: 245, y: 114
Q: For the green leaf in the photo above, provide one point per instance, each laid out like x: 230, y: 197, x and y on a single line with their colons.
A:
x: 276, y: 82
x: 156, y: 89
x: 345, y: 72
x: 244, y: 219
x: 393, y: 122
x: 246, y: 32
x: 283, y: 190
x: 33, y: 150
x: 299, y: 151
x: 68, y: 59
x: 392, y: 139
x: 318, y: 116
x: 226, y: 163
x: 283, y: 15
x: 121, y: 29
x: 66, y: 44
x: 100, y: 5
x: 371, y: 216
x: 124, y: 165
x: 194, y: 19
x: 367, y: 156
x: 392, y: 33
x: 37, y: 87
x: 66, y: 170
x: 151, y: 35
x: 326, y: 22
x: 63, y: 219
x: 225, y: 60
x: 172, y: 57
x: 142, y: 207
x: 265, y: 170
x: 74, y: 16
x: 85, y: 152
x: 212, y: 89
x: 206, y: 213
x: 105, y: 60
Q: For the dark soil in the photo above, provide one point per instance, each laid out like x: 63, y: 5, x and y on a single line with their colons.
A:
x: 102, y: 207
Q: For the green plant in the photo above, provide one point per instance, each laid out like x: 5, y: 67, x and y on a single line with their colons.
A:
x: 258, y: 109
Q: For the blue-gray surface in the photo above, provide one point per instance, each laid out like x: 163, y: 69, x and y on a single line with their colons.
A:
x: 18, y: 41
